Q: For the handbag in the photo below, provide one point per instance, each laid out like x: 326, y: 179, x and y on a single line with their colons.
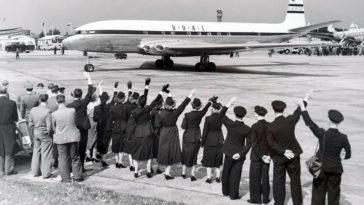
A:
x: 314, y: 164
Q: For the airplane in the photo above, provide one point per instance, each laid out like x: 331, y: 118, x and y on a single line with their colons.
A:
x: 186, y: 38
x: 12, y: 31
x: 354, y: 35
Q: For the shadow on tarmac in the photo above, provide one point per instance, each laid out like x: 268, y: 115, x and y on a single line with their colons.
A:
x: 238, y: 69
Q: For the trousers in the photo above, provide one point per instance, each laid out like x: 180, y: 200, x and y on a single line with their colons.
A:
x: 231, y: 175
x: 67, y: 153
x: 259, y: 181
x: 328, y: 183
x: 42, y: 156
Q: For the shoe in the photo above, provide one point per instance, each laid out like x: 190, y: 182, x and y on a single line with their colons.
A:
x: 132, y: 168
x: 159, y: 171
x: 168, y: 177
x: 117, y: 165
x: 55, y: 165
x: 193, y: 178
x: 104, y: 164
x: 236, y: 198
x: 218, y: 180
x: 87, y: 159
x: 149, y: 175
x: 11, y: 173
x: 122, y: 166
x: 78, y: 180
x: 50, y: 176
x: 253, y: 202
x: 136, y: 175
x: 152, y: 171
x: 266, y: 201
x: 183, y: 176
x: 37, y: 175
x: 95, y: 160
x: 208, y: 180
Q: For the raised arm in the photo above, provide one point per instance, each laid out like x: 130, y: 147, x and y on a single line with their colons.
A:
x: 316, y: 130
x: 146, y: 89
x: 89, y: 90
x: 227, y: 121
x: 184, y: 104
x: 208, y: 105
x: 130, y: 91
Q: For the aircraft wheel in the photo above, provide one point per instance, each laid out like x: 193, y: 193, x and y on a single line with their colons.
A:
x: 198, y: 67
x: 159, y: 63
x: 211, y: 67
x: 169, y: 63
x: 89, y: 68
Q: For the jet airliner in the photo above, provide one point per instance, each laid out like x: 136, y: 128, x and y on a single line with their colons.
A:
x: 186, y: 38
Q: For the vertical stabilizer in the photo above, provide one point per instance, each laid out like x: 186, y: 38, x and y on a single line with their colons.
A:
x: 295, y: 17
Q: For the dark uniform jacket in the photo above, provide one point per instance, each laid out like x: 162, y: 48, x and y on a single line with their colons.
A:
x: 168, y: 118
x: 119, y: 115
x: 8, y: 117
x: 258, y: 137
x: 82, y: 121
x: 191, y: 123
x: 281, y: 136
x: 212, y: 132
x: 237, y: 137
x: 335, y: 141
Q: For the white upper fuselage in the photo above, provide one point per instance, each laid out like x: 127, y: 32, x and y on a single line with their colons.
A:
x: 357, y: 34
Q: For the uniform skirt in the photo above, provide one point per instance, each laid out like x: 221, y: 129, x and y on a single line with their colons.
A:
x: 118, y: 142
x: 103, y: 139
x: 92, y: 134
x: 155, y: 145
x: 143, y: 148
x: 169, y: 152
x: 190, y: 153
x: 212, y: 157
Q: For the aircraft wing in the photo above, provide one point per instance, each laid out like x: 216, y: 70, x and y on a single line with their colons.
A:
x: 196, y: 48
x: 307, y: 29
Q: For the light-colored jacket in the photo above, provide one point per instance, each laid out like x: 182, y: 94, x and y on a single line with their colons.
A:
x: 64, y: 125
x: 40, y: 121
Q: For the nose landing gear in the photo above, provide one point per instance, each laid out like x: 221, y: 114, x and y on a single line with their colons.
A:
x: 88, y: 66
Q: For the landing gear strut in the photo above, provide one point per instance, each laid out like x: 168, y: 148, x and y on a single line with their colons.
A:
x: 88, y: 66
x: 165, y: 61
x: 205, y: 64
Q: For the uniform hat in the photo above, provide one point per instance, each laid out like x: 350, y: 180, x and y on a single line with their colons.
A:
x: 104, y: 96
x: 196, y: 103
x: 55, y: 89
x: 260, y: 110
x: 142, y: 100
x: 28, y: 85
x: 135, y: 95
x: 120, y: 95
x: 170, y: 101
x: 278, y: 106
x: 40, y: 85
x: 239, y: 111
x: 61, y: 89
x: 335, y: 116
x: 216, y: 106
x: 50, y: 86
x: 5, y: 83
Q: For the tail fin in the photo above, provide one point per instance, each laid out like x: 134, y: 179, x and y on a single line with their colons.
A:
x: 331, y: 28
x: 295, y: 14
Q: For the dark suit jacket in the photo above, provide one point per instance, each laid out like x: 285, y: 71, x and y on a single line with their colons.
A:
x: 281, y: 136
x: 191, y: 124
x: 258, y: 137
x: 168, y: 118
x: 237, y: 137
x: 8, y: 117
x: 212, y: 132
x: 334, y: 141
x: 82, y: 121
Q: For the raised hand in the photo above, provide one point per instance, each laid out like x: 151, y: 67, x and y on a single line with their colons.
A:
x: 192, y: 94
x: 116, y: 84
x: 213, y: 99
x: 147, y: 81
x: 129, y: 84
x: 165, y: 88
x: 308, y: 95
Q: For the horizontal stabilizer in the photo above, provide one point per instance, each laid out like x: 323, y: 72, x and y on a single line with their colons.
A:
x: 307, y: 29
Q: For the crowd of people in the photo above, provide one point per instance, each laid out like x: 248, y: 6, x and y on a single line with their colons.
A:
x: 68, y: 130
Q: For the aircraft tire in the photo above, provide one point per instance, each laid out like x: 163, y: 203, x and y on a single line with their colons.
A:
x: 89, y: 68
x: 169, y: 63
x: 211, y: 67
x: 198, y: 67
x: 159, y: 63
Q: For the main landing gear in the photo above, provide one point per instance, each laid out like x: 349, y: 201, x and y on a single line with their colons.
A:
x: 88, y: 66
x: 205, y: 64
x: 165, y: 61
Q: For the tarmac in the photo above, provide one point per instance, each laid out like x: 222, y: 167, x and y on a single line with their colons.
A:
x: 254, y: 78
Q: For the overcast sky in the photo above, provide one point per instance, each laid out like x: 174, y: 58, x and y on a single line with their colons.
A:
x: 30, y: 14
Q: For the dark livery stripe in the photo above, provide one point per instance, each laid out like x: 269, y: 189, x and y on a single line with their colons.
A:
x: 180, y: 33
x: 295, y: 12
x: 298, y: 5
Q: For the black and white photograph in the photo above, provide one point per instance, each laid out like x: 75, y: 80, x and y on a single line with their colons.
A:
x: 203, y: 102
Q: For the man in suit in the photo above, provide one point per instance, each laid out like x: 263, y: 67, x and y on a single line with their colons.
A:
x: 52, y: 105
x: 40, y: 122
x: 82, y: 120
x: 8, y: 118
x: 259, y: 159
x: 28, y: 101
x: 332, y: 144
x: 235, y: 148
x: 285, y: 152
x: 67, y: 137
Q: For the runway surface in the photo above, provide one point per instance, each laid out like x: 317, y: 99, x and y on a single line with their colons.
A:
x: 254, y: 78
